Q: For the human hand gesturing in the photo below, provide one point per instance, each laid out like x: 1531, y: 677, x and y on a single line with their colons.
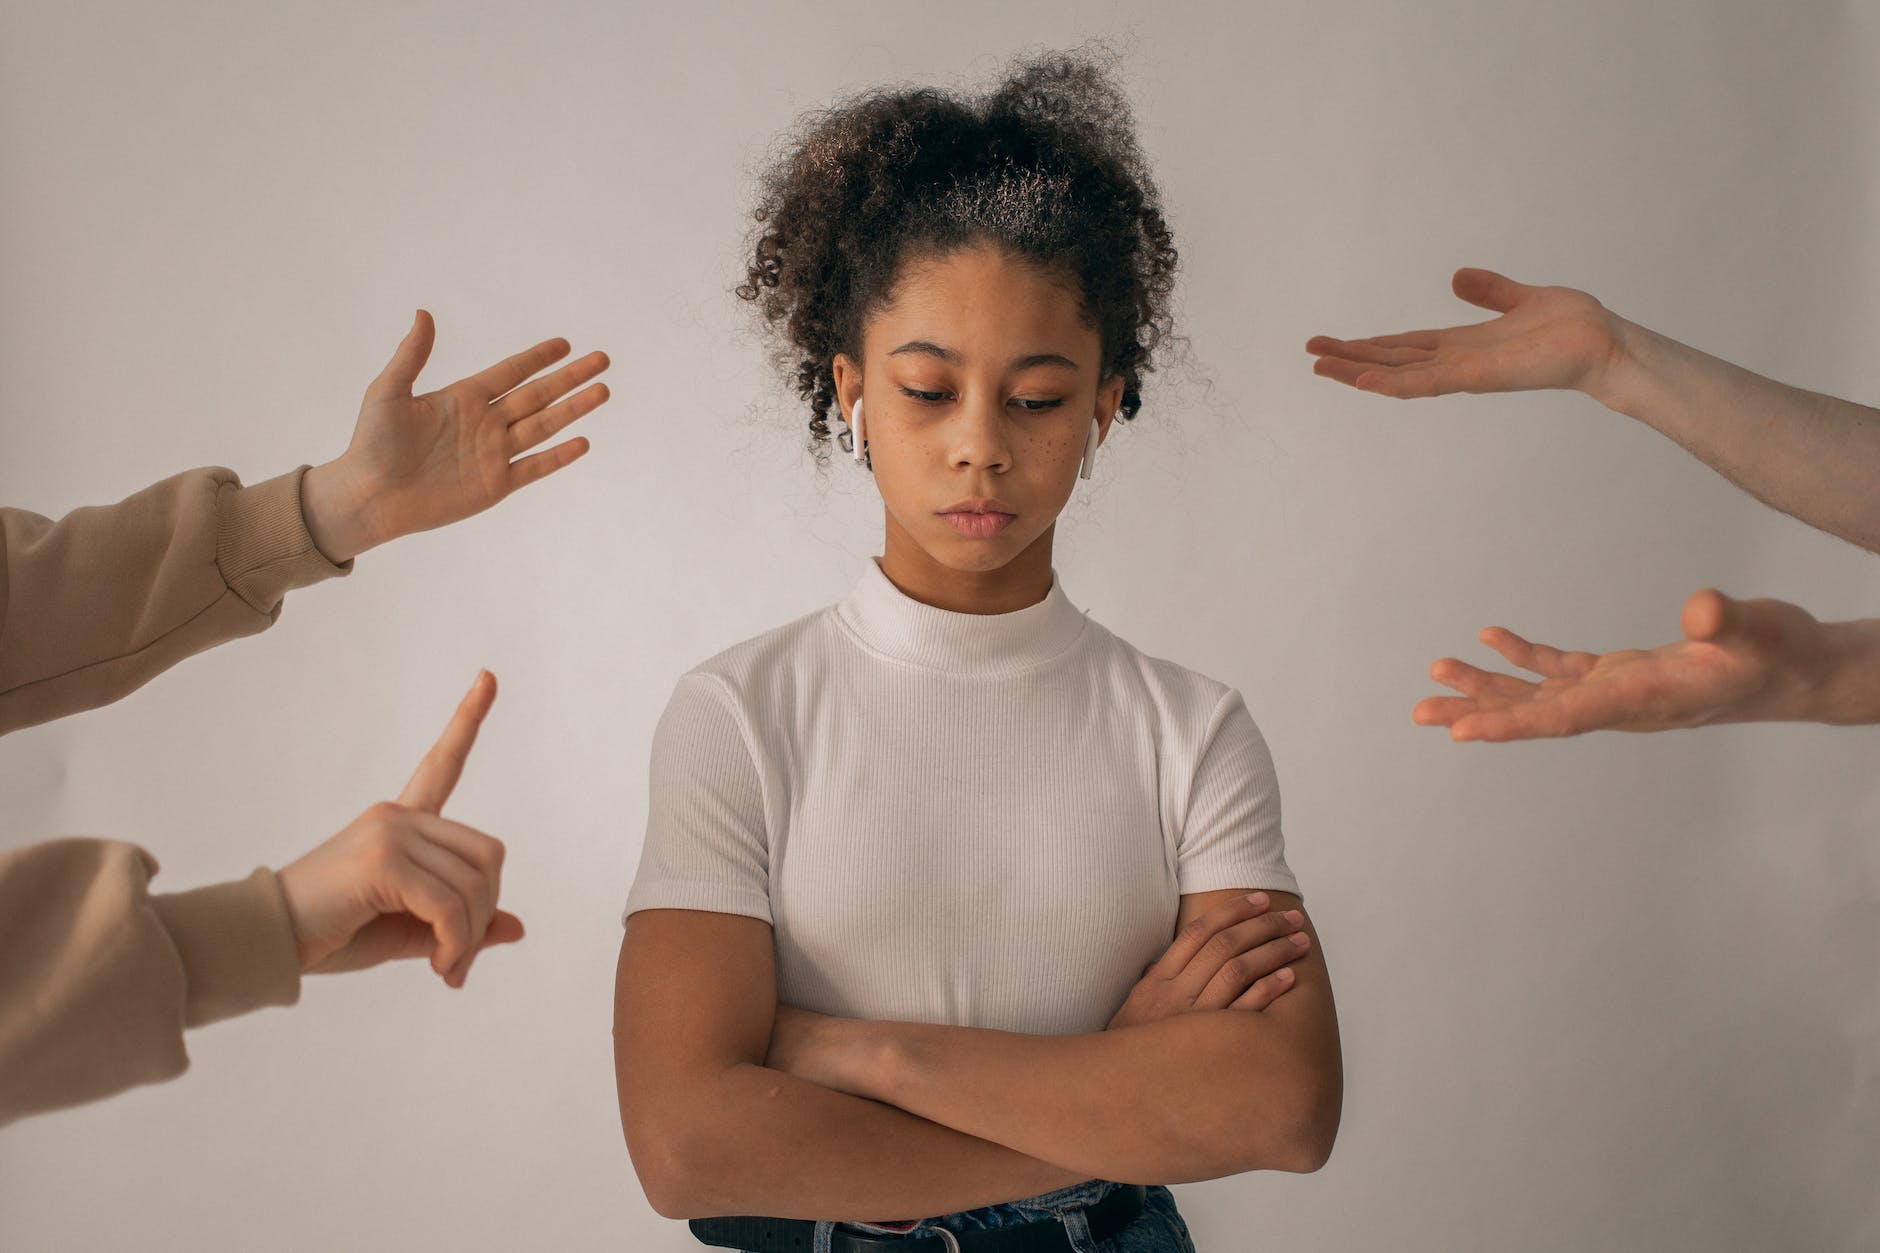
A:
x: 422, y: 461
x: 1545, y: 337
x: 1739, y: 661
x: 401, y: 880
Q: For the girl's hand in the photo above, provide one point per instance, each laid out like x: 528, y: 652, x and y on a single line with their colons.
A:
x: 1740, y: 661
x: 417, y: 462
x: 401, y: 881
x: 1233, y: 957
x: 1546, y: 337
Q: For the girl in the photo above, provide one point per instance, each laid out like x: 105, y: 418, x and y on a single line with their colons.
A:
x: 908, y: 857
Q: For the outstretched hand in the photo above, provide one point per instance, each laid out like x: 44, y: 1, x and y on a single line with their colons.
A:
x: 1545, y: 337
x: 403, y: 881
x: 1739, y: 661
x: 423, y: 461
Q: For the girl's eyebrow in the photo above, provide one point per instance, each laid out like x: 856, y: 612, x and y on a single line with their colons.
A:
x: 926, y: 348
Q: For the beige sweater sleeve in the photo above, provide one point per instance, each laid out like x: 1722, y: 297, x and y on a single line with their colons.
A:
x: 96, y: 604
x: 98, y: 978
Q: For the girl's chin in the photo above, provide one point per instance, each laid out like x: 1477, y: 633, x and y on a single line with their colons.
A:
x: 975, y: 556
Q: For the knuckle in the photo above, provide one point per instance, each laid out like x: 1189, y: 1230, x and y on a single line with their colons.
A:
x: 1220, y: 947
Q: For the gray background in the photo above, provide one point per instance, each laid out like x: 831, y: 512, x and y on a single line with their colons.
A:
x: 1614, y: 992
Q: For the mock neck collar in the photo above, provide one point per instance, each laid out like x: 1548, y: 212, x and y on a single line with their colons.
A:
x: 901, y: 628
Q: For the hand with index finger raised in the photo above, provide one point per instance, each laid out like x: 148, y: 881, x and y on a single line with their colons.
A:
x: 403, y: 881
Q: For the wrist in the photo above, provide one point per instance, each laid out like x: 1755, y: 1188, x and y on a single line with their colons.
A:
x: 869, y: 1056
x: 334, y: 507
x: 1614, y: 375
x: 1843, y: 677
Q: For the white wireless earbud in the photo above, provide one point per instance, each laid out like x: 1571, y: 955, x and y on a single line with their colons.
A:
x: 856, y: 438
x: 1090, y: 450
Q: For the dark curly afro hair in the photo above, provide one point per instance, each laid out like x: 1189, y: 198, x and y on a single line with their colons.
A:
x: 1045, y: 165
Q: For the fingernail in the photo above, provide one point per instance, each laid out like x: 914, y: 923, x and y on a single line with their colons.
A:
x: 1256, y: 898
x: 1294, y: 917
x: 1285, y: 975
x: 1300, y: 938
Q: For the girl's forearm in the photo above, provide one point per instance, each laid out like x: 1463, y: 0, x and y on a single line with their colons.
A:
x: 1198, y: 1096
x: 1815, y: 457
x: 763, y: 1142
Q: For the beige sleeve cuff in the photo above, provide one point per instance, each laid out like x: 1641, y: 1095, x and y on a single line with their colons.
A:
x: 237, y: 944
x: 263, y: 547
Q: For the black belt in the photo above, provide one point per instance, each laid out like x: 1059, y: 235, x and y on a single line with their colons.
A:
x: 797, y: 1235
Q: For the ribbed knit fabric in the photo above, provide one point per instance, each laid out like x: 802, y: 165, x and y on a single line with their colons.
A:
x: 986, y: 821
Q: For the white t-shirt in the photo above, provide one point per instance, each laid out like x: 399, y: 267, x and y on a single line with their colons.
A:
x: 980, y: 820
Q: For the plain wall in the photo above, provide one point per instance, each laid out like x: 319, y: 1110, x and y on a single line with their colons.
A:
x: 1614, y: 992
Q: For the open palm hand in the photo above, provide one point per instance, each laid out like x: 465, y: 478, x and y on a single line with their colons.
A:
x: 1740, y: 661
x: 1546, y: 337
x: 422, y: 461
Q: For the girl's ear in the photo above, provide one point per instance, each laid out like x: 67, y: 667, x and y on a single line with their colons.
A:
x: 848, y: 375
x: 1109, y: 400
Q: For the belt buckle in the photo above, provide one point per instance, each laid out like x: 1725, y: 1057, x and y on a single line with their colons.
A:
x: 949, y: 1239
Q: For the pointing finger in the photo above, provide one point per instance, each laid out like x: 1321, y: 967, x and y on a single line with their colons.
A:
x: 431, y: 784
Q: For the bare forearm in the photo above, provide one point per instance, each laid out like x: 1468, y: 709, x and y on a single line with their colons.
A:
x: 1198, y: 1096
x: 1848, y: 690
x: 1812, y: 456
x: 764, y: 1142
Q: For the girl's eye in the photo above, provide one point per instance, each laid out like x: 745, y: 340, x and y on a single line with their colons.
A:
x: 931, y: 398
x: 1035, y: 406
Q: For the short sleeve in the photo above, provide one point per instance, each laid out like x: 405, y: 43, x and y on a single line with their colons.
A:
x: 1230, y: 834
x: 706, y: 845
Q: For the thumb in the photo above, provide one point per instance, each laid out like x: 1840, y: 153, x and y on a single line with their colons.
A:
x: 1709, y: 615
x: 504, y: 928
x: 1487, y: 289
x: 401, y: 372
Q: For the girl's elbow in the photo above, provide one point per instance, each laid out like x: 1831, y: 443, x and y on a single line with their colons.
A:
x: 1313, y: 1129
x: 664, y: 1176
x: 1294, y: 1133
x: 674, y: 1170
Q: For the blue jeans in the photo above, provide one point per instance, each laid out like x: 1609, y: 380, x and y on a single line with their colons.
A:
x: 1159, y: 1229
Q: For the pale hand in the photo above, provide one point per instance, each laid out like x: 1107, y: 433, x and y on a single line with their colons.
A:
x: 403, y: 881
x: 1739, y: 661
x: 1235, y: 956
x: 1546, y: 337
x: 418, y: 462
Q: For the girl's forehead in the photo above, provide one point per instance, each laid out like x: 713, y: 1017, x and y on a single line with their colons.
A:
x: 980, y: 299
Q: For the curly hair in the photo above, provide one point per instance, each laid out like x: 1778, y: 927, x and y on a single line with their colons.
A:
x: 1045, y: 165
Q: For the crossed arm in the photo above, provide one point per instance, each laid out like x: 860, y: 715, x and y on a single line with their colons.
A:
x: 732, y: 1103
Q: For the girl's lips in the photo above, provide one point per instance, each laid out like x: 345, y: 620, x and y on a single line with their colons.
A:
x: 979, y: 525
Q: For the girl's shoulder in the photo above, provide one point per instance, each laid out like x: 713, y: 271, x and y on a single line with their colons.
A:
x: 782, y: 656
x: 1170, y: 684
